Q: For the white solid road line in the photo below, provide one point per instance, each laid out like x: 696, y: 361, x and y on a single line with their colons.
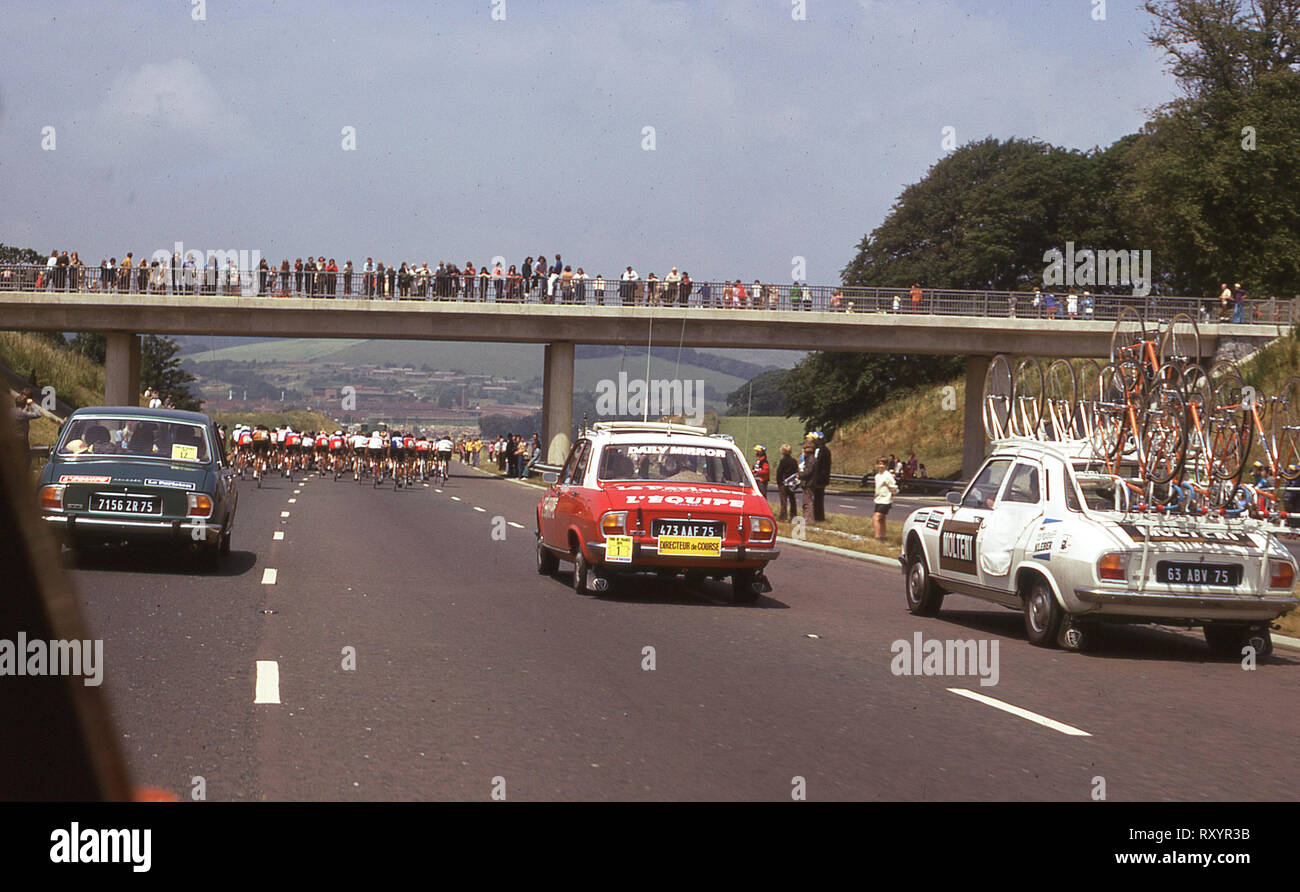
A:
x: 1023, y: 713
x: 267, y: 687
x: 268, y: 576
x: 279, y: 534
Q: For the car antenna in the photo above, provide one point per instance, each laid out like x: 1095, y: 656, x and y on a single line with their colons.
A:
x: 649, y: 341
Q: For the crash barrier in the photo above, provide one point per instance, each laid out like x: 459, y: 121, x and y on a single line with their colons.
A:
x: 590, y: 291
x: 1178, y: 437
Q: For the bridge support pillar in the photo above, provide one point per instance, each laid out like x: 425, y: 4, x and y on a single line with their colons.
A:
x: 122, y: 370
x: 974, y: 443
x: 557, y: 401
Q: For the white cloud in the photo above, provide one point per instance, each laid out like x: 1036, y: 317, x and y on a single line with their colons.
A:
x: 174, y: 98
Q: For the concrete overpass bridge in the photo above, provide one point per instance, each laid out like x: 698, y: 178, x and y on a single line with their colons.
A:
x: 124, y: 317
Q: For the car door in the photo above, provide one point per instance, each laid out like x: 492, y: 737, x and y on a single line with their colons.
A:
x: 960, y: 533
x: 549, y: 507
x: 565, y: 495
x: 1007, y: 527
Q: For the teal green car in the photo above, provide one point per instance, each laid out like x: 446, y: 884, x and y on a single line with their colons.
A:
x: 127, y: 476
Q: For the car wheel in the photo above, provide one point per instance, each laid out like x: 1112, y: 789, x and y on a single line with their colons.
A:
x: 1228, y: 640
x: 225, y: 542
x: 580, y: 569
x: 743, y: 588
x: 547, y: 562
x: 1042, y: 615
x: 924, y: 597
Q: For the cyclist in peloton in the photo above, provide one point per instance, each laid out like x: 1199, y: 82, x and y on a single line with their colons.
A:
x: 444, y: 447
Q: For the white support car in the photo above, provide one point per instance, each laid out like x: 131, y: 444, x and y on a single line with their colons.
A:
x: 1037, y: 532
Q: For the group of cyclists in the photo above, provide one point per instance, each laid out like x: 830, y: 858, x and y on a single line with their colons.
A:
x: 404, y: 457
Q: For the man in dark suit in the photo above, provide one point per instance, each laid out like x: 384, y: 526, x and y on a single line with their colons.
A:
x: 821, y: 476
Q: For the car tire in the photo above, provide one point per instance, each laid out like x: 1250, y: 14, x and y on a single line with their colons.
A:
x: 547, y: 562
x: 225, y: 542
x: 743, y: 590
x: 1042, y: 614
x: 924, y: 597
x: 580, y: 570
x: 1227, y: 640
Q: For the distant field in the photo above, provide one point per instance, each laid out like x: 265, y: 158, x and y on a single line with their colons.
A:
x: 768, y: 430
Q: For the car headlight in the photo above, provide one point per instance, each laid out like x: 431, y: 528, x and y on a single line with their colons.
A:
x: 613, y: 523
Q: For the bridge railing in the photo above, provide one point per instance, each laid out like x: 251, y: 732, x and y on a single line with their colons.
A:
x: 593, y: 291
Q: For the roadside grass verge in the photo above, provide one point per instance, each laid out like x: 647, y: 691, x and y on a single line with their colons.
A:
x: 75, y: 379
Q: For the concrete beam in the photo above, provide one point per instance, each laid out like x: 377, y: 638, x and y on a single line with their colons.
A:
x: 974, y: 443
x: 122, y: 370
x: 544, y: 323
x: 557, y: 401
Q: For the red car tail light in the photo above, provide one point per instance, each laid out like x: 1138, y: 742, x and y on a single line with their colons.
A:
x: 1113, y: 566
x: 761, y: 529
x: 613, y: 523
x: 199, y: 505
x: 1281, y: 575
x: 52, y: 497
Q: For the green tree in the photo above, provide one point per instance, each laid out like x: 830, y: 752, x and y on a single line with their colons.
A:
x: 11, y: 255
x: 160, y: 368
x: 828, y: 389
x: 767, y: 392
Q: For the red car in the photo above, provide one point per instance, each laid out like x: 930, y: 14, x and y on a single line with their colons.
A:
x: 638, y: 497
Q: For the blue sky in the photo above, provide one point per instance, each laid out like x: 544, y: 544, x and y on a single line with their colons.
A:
x: 773, y: 138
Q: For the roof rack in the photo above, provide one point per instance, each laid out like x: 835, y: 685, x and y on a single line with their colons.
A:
x: 628, y: 427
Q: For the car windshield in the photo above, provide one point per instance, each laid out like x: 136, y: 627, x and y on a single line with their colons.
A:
x: 672, y: 463
x: 140, y: 437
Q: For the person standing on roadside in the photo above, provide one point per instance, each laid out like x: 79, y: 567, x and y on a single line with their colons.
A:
x: 786, y: 468
x: 822, y: 478
x: 807, y: 473
x: 886, y: 489
x: 762, y: 470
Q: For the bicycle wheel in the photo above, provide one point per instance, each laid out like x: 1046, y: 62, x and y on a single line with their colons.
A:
x: 1181, y: 342
x: 1229, y: 434
x: 1027, y: 398
x: 1164, y: 428
x: 1110, y: 415
x: 1128, y: 335
x: 1199, y: 393
x: 1088, y: 378
x: 1060, y: 393
x: 1286, y: 430
x: 997, y: 399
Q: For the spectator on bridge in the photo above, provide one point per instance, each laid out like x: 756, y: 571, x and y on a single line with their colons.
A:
x: 566, y: 285
x: 332, y: 274
x: 1225, y: 302
x: 598, y: 290
x: 1051, y: 304
x: 916, y: 295
x: 368, y: 278
x: 1239, y: 296
x: 526, y: 272
x: 1011, y: 305
x: 347, y: 278
x: 1085, y: 303
x: 1037, y: 303
x: 1072, y: 304
x: 684, y: 289
x: 142, y: 277
x: 392, y: 281
x: 297, y: 276
x: 672, y: 282
x: 51, y: 271
x: 627, y: 287
x: 484, y: 277
x: 706, y: 295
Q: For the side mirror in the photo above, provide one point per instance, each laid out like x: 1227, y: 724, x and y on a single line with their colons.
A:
x: 954, y: 497
x: 550, y: 477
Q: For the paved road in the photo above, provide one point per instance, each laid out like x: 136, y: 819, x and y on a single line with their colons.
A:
x: 470, y: 667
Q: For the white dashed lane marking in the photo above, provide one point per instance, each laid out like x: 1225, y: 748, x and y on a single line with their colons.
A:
x: 1023, y: 713
x: 268, y: 576
x: 518, y: 526
x: 279, y: 534
x: 284, y: 513
x: 291, y: 501
x: 477, y: 508
x: 455, y: 498
x: 267, y: 687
